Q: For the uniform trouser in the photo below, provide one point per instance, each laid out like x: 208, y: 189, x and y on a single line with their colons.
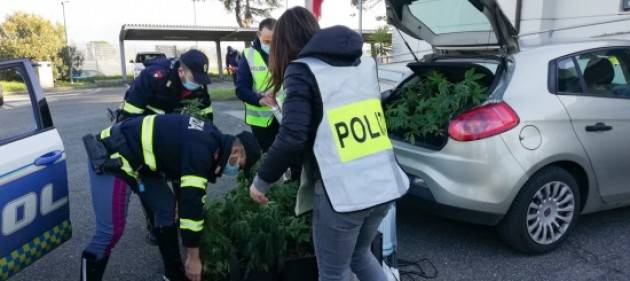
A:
x: 110, y: 200
x: 343, y: 240
x: 266, y: 135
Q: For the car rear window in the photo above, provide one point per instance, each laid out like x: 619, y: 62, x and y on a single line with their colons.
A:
x: 449, y: 16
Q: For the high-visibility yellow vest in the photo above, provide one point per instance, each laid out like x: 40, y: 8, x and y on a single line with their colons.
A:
x: 260, y: 116
x: 353, y: 151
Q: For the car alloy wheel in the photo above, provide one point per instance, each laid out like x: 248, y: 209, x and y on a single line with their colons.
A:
x: 550, y: 212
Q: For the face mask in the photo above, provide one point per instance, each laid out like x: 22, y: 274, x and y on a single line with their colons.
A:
x: 191, y: 85
x: 231, y: 170
x: 265, y: 47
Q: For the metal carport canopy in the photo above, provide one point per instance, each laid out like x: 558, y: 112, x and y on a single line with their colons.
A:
x: 149, y: 32
x: 189, y: 33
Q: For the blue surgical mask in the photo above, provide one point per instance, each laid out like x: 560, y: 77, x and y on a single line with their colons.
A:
x: 231, y: 170
x: 265, y: 47
x: 190, y: 85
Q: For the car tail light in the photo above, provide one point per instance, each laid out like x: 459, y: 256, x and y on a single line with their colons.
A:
x: 482, y: 122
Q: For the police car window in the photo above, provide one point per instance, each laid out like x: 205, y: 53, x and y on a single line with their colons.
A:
x: 16, y: 113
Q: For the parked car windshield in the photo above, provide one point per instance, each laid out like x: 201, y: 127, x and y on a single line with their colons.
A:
x: 148, y: 57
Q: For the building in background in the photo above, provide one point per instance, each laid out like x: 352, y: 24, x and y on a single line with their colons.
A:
x: 169, y: 50
x: 101, y: 56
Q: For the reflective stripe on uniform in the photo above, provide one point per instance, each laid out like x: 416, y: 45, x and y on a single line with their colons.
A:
x: 126, y: 167
x: 155, y: 109
x: 106, y: 133
x: 194, y: 181
x: 130, y: 108
x: 207, y: 110
x: 147, y: 142
x: 192, y: 225
x: 258, y: 116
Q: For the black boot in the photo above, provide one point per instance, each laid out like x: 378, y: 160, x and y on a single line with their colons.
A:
x: 149, y: 217
x: 168, y: 243
x: 92, y: 269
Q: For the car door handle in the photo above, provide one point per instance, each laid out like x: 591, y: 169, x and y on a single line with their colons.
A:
x: 48, y: 158
x: 599, y: 127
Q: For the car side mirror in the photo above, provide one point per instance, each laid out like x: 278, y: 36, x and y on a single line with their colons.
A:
x: 131, y: 61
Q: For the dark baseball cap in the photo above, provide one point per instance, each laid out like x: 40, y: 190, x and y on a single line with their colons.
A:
x: 252, y: 148
x: 197, y: 62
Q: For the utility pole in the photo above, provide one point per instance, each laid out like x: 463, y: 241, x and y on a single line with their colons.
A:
x: 195, y: 11
x: 65, y: 29
x: 361, y: 17
x: 309, y: 5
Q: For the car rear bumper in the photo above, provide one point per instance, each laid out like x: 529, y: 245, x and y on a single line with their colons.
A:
x: 421, y: 194
x: 479, y: 176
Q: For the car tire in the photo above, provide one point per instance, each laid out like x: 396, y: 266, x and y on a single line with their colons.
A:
x: 543, y: 213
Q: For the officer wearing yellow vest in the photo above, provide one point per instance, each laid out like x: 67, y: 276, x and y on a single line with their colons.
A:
x: 253, y: 88
x: 332, y: 117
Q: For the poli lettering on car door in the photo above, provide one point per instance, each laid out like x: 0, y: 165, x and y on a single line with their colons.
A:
x: 34, y: 209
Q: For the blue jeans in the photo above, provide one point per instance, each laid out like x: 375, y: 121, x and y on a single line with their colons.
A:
x: 343, y: 240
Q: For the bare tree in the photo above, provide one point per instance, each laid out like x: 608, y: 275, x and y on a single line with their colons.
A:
x: 246, y: 10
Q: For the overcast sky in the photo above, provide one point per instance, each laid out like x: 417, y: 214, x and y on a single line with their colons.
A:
x: 91, y: 20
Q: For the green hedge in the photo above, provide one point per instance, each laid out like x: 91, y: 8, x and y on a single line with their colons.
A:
x: 218, y: 94
x: 12, y: 86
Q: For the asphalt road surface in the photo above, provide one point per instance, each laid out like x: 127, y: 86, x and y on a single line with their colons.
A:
x: 598, y: 249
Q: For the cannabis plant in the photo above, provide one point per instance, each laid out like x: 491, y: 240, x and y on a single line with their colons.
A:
x: 193, y: 107
x: 260, y: 237
x: 425, y: 105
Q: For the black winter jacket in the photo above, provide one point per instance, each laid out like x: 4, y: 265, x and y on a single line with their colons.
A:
x: 303, y: 109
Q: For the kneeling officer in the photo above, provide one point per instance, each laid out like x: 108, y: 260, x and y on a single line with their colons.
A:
x: 178, y: 147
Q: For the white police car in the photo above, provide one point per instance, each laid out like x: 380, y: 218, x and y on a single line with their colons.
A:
x: 34, y: 211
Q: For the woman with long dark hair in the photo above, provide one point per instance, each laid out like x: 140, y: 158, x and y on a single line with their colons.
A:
x: 333, y: 120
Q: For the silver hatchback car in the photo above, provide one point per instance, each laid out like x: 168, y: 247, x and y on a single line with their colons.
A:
x: 551, y: 142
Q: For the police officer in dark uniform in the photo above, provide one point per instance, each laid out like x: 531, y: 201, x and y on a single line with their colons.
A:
x: 178, y: 147
x: 164, y: 84
x: 163, y: 87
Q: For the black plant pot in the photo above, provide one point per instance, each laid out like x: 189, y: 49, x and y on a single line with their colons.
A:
x: 300, y: 269
x: 237, y: 273
x: 261, y: 276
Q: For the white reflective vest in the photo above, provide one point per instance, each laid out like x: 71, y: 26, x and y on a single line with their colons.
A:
x: 352, y: 148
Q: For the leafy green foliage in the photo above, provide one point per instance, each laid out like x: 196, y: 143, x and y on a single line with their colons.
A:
x: 427, y: 104
x: 260, y: 237
x: 246, y: 10
x: 382, y: 42
x: 71, y: 58
x: 193, y: 107
x: 12, y: 86
x: 25, y: 35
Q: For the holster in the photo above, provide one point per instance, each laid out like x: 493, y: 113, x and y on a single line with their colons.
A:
x: 99, y: 156
x: 115, y: 115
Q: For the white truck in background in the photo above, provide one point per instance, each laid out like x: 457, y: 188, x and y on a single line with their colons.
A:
x: 142, y: 58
